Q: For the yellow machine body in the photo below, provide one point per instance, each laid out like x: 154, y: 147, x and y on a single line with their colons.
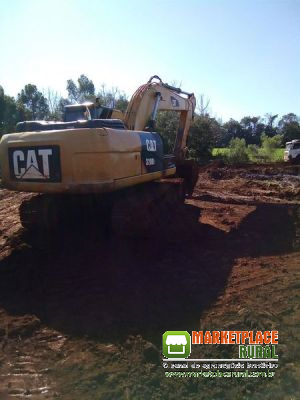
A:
x: 94, y: 160
x: 92, y: 153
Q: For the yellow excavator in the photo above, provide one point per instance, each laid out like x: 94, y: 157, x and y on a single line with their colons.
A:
x: 99, y: 156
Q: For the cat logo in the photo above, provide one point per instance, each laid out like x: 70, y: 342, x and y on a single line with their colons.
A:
x: 35, y: 163
x: 151, y: 145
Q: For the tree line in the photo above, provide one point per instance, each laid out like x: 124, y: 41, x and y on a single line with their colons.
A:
x: 206, y: 131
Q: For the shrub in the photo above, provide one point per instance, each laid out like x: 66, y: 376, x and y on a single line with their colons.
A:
x: 269, y: 145
x: 253, y: 152
x: 237, y: 152
x: 201, y: 138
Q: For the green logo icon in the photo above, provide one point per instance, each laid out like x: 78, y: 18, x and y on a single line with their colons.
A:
x: 176, y: 344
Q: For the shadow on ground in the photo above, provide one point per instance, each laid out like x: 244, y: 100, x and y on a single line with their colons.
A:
x: 81, y: 284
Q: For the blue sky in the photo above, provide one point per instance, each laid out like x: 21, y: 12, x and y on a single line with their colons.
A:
x: 242, y: 55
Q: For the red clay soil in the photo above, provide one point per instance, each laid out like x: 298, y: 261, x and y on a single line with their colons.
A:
x: 82, y: 316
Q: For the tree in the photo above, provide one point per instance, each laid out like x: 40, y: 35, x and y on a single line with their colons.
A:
x: 237, y: 151
x: 202, y: 105
x: 252, y: 128
x: 54, y: 101
x: 167, y: 123
x: 288, y: 119
x: 232, y: 129
x: 289, y: 127
x: 86, y: 87
x: 9, y: 115
x: 249, y: 128
x: 61, y: 107
x: 73, y: 91
x: 271, y: 143
x: 202, y: 138
x: 83, y: 91
x: 32, y: 104
x: 112, y: 98
x: 203, y: 133
x: 121, y: 102
x: 270, y: 129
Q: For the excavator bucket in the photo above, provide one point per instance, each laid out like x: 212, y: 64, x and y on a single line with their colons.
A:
x: 189, y: 171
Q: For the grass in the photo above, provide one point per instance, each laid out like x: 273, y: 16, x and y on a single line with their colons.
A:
x: 220, y: 151
x: 275, y: 155
x: 278, y: 153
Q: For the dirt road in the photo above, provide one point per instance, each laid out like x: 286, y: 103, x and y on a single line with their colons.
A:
x: 82, y: 317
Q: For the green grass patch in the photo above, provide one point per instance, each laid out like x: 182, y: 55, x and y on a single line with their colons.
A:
x: 220, y: 151
x: 256, y: 155
x: 278, y: 154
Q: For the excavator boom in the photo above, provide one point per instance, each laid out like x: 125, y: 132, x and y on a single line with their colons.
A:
x: 157, y: 96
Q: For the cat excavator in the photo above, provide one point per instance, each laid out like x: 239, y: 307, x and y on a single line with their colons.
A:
x: 100, y: 160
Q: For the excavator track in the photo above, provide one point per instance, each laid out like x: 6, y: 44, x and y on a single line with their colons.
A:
x: 60, y: 212
x: 140, y: 211
x: 40, y: 212
x: 143, y: 210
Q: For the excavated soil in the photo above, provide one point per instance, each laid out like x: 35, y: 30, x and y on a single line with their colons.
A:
x: 82, y: 316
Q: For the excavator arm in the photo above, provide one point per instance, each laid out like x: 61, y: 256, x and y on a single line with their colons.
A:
x: 157, y: 96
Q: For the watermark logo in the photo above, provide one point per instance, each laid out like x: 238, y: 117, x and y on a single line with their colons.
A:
x: 176, y: 344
